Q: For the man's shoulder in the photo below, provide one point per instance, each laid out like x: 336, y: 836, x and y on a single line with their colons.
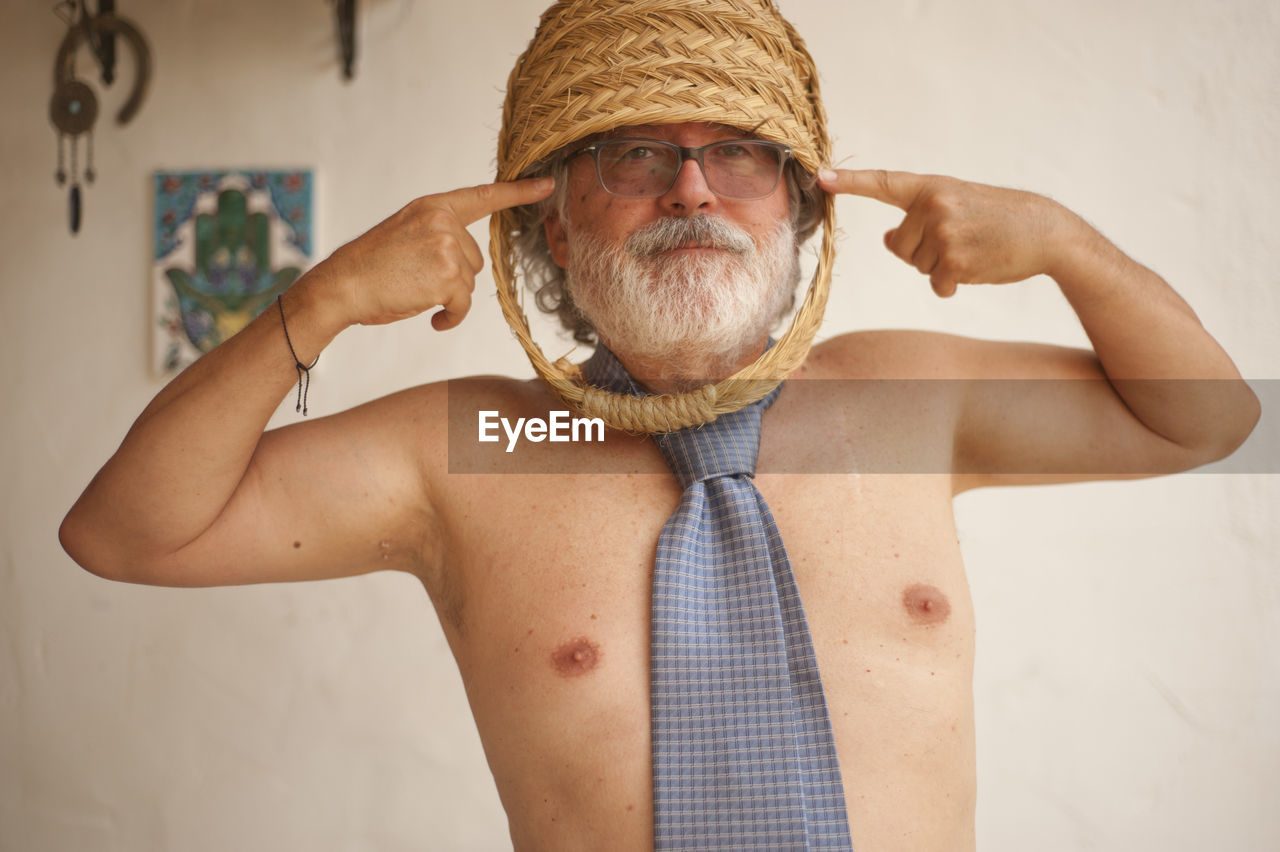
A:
x: 482, y: 387
x: 885, y: 354
x: 435, y: 423
x: 433, y: 407
x: 448, y: 399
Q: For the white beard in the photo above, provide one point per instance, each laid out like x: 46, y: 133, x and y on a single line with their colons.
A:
x: 698, y: 311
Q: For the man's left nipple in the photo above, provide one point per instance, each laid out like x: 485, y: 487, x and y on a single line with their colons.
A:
x: 575, y: 657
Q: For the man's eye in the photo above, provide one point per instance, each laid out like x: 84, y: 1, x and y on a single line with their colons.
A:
x: 637, y: 152
x: 732, y: 151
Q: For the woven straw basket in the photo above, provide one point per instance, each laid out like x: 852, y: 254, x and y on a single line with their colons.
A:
x: 595, y: 65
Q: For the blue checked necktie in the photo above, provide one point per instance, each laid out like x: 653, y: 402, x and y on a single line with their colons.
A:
x: 743, y: 754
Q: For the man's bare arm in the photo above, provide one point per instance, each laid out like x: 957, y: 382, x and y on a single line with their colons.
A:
x: 198, y: 495
x: 1158, y: 393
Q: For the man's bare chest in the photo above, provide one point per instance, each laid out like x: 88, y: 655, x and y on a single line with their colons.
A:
x: 548, y: 613
x: 570, y: 558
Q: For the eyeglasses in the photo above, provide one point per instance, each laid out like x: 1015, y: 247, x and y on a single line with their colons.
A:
x: 737, y: 169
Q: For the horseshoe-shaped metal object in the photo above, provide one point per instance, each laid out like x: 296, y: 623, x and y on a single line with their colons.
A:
x: 104, y: 24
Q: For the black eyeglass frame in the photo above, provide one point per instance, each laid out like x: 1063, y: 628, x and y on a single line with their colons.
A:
x: 695, y: 154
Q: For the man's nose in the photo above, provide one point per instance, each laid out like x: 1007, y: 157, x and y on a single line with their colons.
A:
x: 689, y: 195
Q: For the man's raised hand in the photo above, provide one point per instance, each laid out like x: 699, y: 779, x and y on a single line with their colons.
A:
x: 420, y: 258
x: 958, y: 232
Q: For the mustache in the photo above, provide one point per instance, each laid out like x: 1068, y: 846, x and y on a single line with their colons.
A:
x: 703, y: 231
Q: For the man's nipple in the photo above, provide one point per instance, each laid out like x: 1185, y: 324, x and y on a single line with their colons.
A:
x: 575, y: 657
x: 926, y: 604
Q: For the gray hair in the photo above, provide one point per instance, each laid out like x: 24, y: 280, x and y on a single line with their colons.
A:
x: 545, y: 278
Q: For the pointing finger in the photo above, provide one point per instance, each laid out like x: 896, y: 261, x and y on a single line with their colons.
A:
x: 475, y: 202
x: 897, y: 188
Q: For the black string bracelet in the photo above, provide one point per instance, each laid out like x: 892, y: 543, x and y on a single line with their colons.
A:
x: 304, y: 370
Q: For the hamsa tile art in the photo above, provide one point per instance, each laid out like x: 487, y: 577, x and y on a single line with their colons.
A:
x: 227, y: 243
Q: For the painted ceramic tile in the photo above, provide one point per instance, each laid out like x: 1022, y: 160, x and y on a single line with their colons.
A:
x: 226, y: 244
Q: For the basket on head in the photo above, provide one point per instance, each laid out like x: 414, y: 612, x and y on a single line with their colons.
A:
x: 595, y: 65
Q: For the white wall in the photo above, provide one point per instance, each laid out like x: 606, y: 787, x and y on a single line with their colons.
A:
x: 1129, y: 638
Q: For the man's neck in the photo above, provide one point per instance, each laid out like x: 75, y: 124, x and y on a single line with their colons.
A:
x: 680, y: 372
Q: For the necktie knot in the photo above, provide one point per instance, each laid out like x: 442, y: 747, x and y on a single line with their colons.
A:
x: 727, y: 446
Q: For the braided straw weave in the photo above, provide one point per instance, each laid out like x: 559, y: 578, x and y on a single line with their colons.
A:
x: 595, y: 65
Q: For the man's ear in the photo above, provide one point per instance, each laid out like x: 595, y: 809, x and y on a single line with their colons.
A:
x: 557, y: 239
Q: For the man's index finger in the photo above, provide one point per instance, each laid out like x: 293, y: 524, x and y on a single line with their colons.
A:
x: 897, y: 188
x: 475, y: 202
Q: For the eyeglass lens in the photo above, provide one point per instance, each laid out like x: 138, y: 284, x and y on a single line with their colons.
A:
x: 734, y: 168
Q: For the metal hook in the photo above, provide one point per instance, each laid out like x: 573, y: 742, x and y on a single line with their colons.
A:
x: 104, y: 45
x: 346, y: 14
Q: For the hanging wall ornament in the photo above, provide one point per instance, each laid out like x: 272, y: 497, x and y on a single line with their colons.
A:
x: 73, y: 110
x: 74, y: 107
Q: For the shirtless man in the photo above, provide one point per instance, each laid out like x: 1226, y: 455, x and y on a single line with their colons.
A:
x: 542, y: 583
